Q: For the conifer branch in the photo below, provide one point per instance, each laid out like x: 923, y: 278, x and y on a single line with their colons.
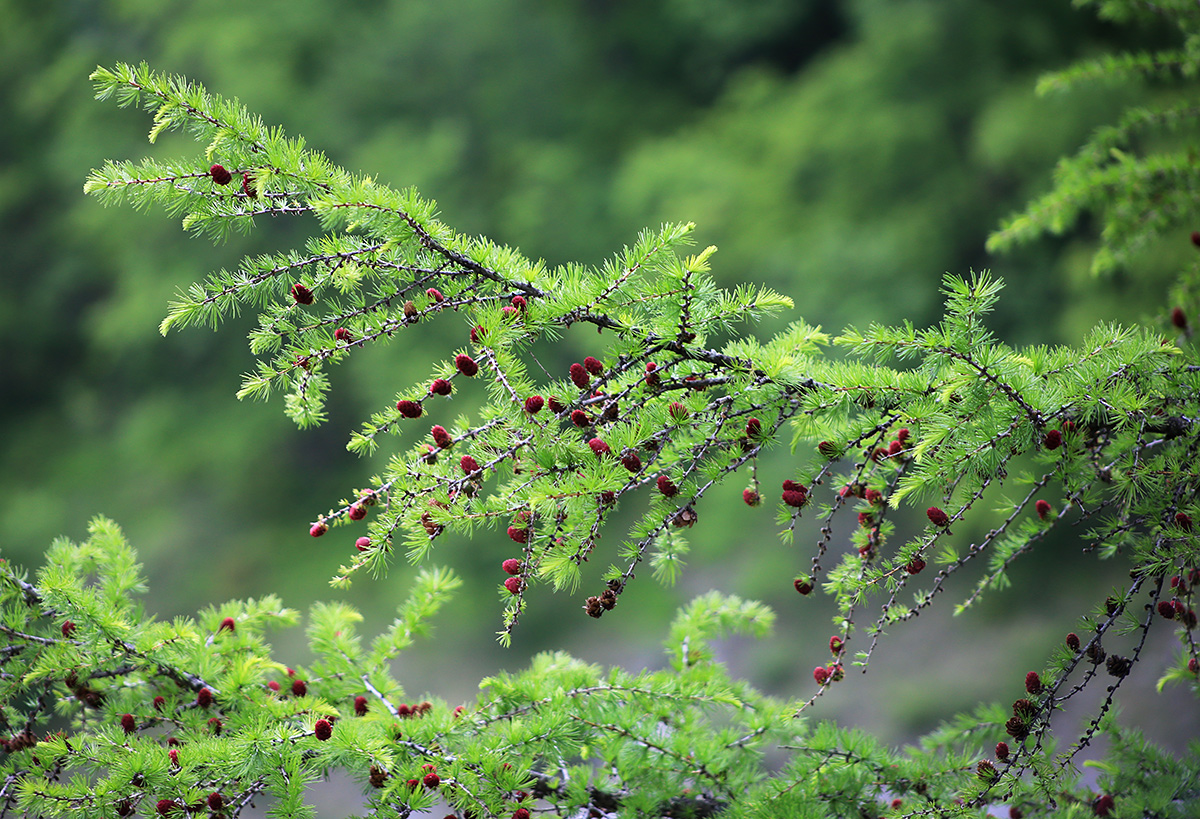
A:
x: 1100, y: 434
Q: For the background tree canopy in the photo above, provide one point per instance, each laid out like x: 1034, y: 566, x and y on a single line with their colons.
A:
x: 844, y: 153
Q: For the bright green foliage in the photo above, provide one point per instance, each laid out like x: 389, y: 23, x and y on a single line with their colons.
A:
x: 388, y: 264
x: 149, y: 713
x: 1137, y: 177
x: 569, y: 173
x: 1097, y: 438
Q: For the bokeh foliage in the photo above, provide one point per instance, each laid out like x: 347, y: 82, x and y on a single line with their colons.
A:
x: 843, y: 152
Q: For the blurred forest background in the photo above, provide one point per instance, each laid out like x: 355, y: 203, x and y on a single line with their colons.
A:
x: 844, y: 152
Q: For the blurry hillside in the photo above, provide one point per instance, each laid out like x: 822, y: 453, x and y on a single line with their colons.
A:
x: 844, y: 152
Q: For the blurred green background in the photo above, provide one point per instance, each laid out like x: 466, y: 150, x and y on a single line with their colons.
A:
x: 845, y: 152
